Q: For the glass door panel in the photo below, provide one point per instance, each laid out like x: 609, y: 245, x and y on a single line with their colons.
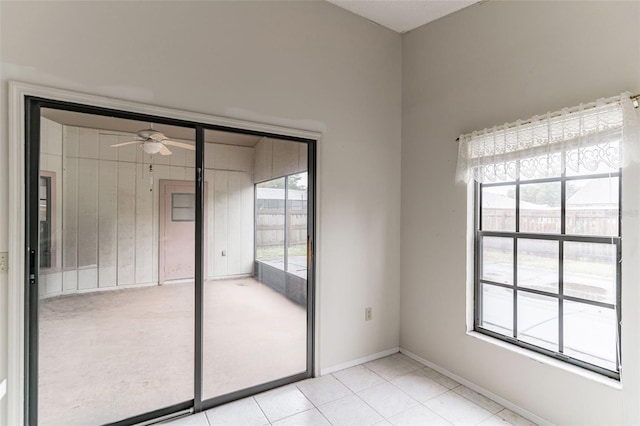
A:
x: 254, y: 316
x: 116, y: 301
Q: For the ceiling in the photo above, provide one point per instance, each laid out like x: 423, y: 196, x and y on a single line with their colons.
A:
x: 102, y: 122
x: 402, y: 15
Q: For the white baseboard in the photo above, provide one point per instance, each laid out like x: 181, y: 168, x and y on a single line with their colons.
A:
x: 504, y: 402
x: 358, y: 361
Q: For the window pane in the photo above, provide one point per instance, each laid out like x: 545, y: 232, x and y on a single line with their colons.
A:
x: 592, y: 207
x: 499, y: 208
x: 183, y: 215
x: 254, y: 306
x: 104, y: 356
x: 540, y: 207
x: 497, y: 259
x: 538, y: 264
x: 183, y: 200
x: 270, y: 222
x: 297, y: 225
x: 590, y: 271
x: 590, y: 334
x: 538, y: 320
x: 497, y: 309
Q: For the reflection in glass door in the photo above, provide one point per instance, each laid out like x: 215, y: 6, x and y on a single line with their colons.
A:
x: 113, y: 343
x: 171, y: 263
x: 255, y: 304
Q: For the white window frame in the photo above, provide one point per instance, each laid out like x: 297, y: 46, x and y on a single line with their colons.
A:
x: 561, y: 237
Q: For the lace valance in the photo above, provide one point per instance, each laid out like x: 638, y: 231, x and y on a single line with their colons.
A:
x: 602, y: 135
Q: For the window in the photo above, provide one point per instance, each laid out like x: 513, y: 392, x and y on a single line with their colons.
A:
x: 548, y: 266
x: 548, y: 248
x: 281, y: 223
x: 183, y: 207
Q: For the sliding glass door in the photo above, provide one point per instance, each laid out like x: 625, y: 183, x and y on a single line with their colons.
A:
x: 170, y: 264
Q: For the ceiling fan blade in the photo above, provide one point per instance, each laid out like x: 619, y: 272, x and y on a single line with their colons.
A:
x: 124, y: 143
x: 179, y: 144
x: 164, y: 151
x: 147, y: 134
x: 156, y: 136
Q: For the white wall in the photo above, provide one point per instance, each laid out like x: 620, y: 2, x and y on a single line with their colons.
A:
x: 306, y: 64
x: 489, y: 64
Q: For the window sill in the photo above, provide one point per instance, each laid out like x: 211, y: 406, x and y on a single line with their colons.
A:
x: 543, y: 359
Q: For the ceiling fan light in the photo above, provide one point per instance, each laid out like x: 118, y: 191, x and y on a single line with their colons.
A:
x: 151, y: 147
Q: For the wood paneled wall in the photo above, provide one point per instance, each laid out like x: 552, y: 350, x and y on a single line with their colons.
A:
x: 275, y: 158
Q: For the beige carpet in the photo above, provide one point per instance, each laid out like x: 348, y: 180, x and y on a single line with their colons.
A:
x: 115, y: 354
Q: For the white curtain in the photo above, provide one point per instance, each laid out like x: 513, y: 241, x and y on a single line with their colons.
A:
x: 594, y: 137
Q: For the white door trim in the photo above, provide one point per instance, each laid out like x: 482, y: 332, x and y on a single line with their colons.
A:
x: 17, y: 249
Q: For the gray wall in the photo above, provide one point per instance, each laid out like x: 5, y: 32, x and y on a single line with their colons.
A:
x: 489, y: 64
x: 300, y: 64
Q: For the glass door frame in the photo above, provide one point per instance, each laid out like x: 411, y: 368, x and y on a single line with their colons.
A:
x: 33, y: 106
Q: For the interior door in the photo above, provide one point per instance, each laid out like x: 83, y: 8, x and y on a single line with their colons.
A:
x: 177, y: 228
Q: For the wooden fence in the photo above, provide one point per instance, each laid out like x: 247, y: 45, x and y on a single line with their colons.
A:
x: 270, y: 227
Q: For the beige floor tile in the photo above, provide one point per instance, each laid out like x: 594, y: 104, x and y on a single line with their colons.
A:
x: 418, y: 416
x: 457, y: 409
x: 283, y: 402
x: 479, y: 399
x: 440, y: 378
x: 408, y: 360
x: 306, y: 418
x: 358, y: 378
x: 389, y: 368
x: 350, y: 411
x: 419, y: 386
x: 322, y: 390
x: 244, y: 412
x: 387, y: 399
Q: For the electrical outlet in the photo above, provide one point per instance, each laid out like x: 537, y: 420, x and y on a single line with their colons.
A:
x: 368, y: 314
x: 4, y: 259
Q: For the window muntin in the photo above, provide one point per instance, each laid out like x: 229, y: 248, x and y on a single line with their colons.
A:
x: 548, y: 268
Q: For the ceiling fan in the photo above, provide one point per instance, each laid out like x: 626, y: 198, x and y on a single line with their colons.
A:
x: 153, y: 142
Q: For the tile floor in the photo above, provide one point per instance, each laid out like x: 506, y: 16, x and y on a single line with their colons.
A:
x: 395, y: 390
